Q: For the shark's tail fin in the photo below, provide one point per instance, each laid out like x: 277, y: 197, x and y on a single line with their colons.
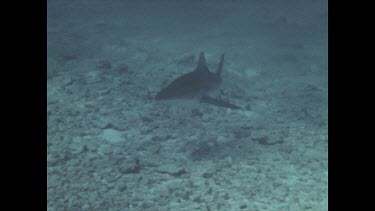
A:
x: 202, y: 62
x: 220, y: 66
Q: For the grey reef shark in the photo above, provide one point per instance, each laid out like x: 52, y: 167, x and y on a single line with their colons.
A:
x: 196, y: 84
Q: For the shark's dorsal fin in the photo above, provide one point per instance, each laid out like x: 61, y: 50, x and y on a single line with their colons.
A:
x: 220, y: 66
x: 202, y: 65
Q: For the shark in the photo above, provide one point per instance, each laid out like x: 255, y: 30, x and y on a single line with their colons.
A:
x: 197, y: 84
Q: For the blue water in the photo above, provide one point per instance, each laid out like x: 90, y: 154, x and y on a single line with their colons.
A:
x: 112, y: 146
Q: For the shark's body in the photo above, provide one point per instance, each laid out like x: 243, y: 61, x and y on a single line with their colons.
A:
x: 196, y: 84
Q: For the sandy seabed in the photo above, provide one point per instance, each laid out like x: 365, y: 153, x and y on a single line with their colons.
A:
x: 111, y: 146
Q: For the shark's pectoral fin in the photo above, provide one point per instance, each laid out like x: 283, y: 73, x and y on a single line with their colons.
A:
x: 220, y: 66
